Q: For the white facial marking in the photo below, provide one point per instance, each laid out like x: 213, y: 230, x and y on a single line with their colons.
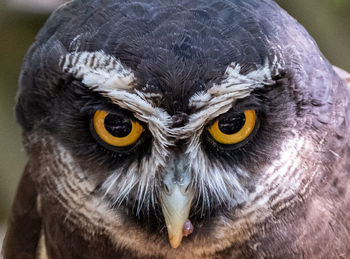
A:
x: 280, y: 179
x: 235, y: 86
x: 96, y: 69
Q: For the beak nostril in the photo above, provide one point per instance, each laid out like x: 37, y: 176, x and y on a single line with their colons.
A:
x: 166, y: 188
x: 187, y: 188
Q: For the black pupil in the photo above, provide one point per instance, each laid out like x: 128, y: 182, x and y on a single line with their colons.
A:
x: 232, y: 124
x: 118, y: 125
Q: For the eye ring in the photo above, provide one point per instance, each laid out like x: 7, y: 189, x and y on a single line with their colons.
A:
x: 242, y: 134
x: 107, y: 137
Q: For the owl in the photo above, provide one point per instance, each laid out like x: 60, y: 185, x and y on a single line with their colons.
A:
x: 181, y: 129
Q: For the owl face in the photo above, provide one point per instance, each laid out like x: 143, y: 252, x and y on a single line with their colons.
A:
x: 158, y: 129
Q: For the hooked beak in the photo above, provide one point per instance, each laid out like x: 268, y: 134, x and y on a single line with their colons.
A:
x: 176, y: 198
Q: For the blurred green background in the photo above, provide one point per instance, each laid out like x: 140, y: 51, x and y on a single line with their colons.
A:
x: 328, y: 21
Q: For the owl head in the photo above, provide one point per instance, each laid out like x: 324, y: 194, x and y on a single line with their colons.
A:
x: 209, y: 116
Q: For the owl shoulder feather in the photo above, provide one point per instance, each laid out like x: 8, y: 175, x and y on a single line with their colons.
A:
x: 343, y: 74
x: 24, y: 225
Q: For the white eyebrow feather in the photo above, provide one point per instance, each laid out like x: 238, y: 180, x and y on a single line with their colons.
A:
x: 97, y: 69
x: 234, y: 86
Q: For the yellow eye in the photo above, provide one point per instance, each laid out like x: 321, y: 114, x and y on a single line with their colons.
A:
x: 233, y: 130
x: 116, y: 130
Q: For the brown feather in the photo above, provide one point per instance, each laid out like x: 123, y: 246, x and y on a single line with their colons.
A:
x: 24, y: 225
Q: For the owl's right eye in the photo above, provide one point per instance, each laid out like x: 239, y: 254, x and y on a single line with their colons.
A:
x: 116, y: 130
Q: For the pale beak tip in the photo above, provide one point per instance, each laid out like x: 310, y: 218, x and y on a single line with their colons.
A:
x: 175, y: 241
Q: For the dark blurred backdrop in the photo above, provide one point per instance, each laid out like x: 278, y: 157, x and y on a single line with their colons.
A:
x: 328, y: 21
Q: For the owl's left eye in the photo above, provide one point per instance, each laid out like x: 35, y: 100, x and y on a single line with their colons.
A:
x: 116, y: 130
x: 233, y: 129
